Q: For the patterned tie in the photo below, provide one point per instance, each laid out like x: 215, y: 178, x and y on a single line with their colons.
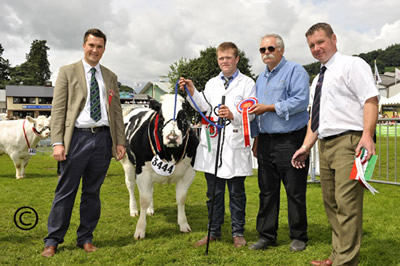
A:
x: 226, y: 83
x: 316, y: 102
x: 95, y: 110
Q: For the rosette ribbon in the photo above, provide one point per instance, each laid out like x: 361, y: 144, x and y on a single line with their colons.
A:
x: 243, y: 108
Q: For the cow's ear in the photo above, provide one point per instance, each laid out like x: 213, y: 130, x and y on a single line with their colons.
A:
x: 30, y: 119
x: 155, y: 105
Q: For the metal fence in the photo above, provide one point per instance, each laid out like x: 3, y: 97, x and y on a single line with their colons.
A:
x: 386, y: 148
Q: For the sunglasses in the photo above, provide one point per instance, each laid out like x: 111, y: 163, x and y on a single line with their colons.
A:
x: 271, y: 49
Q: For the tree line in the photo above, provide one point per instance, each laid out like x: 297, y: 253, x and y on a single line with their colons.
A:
x: 34, y: 71
x: 386, y: 60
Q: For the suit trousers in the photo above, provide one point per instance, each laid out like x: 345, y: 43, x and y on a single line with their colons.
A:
x: 88, y: 159
x: 237, y: 203
x: 274, y: 154
x: 343, y: 197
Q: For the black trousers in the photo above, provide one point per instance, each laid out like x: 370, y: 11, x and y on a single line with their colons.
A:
x: 88, y: 159
x: 237, y: 203
x: 274, y: 154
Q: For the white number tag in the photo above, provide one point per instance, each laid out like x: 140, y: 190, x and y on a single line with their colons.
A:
x: 161, y: 167
x: 32, y: 151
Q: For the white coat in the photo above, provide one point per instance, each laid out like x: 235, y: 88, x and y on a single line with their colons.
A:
x: 236, y: 158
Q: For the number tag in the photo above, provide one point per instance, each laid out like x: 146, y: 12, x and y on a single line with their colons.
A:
x: 161, y: 167
x: 32, y: 151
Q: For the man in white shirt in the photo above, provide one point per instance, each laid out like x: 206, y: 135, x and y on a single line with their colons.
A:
x: 348, y: 112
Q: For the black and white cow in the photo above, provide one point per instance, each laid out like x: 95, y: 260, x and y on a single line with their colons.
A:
x: 159, y: 150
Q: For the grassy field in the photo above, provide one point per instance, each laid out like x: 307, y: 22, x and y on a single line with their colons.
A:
x: 164, y: 244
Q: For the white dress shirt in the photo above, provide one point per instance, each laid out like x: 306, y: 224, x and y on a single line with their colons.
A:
x: 348, y: 84
x: 84, y: 120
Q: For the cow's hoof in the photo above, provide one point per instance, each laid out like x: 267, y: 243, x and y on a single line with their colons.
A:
x: 150, y: 211
x: 134, y: 213
x: 139, y: 235
x: 185, y: 228
x: 20, y: 177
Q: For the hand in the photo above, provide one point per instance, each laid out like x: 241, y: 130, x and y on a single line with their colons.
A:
x: 189, y: 84
x: 59, y: 153
x: 367, y: 143
x: 120, y: 152
x: 258, y: 109
x: 224, y: 112
x: 299, y: 158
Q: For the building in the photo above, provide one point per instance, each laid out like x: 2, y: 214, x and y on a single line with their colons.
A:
x: 3, y: 106
x: 22, y: 100
x: 156, y: 89
x: 389, y: 87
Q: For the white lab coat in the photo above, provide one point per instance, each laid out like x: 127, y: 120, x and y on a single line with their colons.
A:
x: 236, y: 158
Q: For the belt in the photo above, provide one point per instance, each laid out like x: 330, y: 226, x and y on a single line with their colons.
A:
x: 93, y: 130
x: 341, y: 134
x: 284, y: 134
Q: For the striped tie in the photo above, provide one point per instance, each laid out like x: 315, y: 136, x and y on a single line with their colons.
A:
x: 316, y: 102
x: 95, y: 110
x: 226, y: 83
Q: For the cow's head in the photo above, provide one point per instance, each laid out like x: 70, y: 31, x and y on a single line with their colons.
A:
x: 173, y: 131
x: 41, y: 125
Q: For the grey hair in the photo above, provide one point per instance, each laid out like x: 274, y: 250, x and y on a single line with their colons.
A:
x: 279, y: 40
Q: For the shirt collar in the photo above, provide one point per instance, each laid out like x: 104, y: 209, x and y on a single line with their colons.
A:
x: 275, y: 69
x: 233, y: 76
x: 88, y: 67
x: 332, y: 60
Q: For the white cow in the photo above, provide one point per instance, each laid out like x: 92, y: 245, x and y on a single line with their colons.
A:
x: 159, y: 150
x: 18, y: 136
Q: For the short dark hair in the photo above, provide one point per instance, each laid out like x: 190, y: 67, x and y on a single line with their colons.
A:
x: 320, y: 26
x: 228, y: 45
x: 95, y: 32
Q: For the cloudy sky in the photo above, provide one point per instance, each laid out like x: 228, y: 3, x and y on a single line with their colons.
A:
x: 146, y: 36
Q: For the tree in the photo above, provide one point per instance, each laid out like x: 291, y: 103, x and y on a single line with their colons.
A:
x: 36, y: 69
x: 4, y: 69
x: 201, y: 69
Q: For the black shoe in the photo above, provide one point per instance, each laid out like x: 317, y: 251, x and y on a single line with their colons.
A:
x: 262, y: 244
x: 297, y: 245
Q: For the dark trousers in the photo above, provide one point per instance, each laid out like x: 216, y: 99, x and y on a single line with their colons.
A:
x: 237, y: 203
x: 274, y: 154
x: 88, y: 159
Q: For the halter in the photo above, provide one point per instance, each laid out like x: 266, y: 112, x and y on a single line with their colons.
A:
x: 155, y: 133
x: 194, y: 103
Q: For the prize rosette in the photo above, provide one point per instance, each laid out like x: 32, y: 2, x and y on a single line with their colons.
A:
x: 243, y: 108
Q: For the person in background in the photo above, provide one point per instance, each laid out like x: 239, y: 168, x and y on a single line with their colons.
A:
x: 344, y: 86
x: 279, y: 130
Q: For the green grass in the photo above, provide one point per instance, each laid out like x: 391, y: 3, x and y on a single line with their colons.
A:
x: 164, y: 244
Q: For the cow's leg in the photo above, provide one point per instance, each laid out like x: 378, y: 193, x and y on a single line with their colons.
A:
x: 145, y: 186
x: 130, y: 181
x: 150, y: 209
x: 24, y: 163
x: 17, y: 164
x: 182, y: 187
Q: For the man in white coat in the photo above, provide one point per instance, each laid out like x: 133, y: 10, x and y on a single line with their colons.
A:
x: 235, y: 158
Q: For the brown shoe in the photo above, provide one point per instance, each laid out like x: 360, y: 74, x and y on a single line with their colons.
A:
x: 88, y: 247
x: 203, y: 241
x: 49, y: 251
x: 239, y: 241
x: 321, y: 262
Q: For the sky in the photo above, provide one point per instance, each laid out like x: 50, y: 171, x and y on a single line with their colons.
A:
x: 145, y: 37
